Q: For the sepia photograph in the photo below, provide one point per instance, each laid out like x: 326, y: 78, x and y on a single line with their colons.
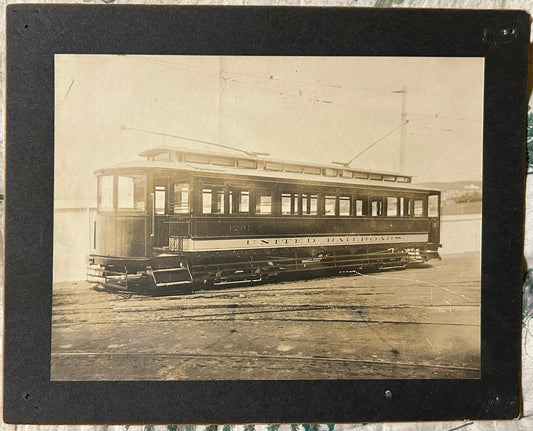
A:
x: 267, y: 218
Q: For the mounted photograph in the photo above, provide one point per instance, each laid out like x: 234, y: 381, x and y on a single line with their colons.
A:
x: 267, y: 218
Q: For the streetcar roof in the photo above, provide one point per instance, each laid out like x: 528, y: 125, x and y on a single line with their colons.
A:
x: 263, y: 174
x: 260, y: 158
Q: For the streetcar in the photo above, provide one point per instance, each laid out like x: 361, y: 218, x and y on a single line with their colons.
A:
x: 181, y: 220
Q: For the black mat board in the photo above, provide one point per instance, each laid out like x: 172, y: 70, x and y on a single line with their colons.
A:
x: 36, y: 32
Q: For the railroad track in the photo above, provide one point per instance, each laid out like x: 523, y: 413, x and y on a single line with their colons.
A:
x: 416, y: 323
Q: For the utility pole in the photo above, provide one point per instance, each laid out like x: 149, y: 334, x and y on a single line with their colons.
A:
x: 403, y: 132
x: 221, y: 85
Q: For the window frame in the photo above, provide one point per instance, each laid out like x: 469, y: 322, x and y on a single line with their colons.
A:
x: 379, y: 206
x: 172, y: 204
x: 342, y: 198
x: 257, y: 195
x: 129, y: 210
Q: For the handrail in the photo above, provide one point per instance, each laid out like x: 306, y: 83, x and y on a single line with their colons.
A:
x: 153, y: 215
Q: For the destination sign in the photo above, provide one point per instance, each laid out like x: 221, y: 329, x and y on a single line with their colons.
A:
x: 310, y: 241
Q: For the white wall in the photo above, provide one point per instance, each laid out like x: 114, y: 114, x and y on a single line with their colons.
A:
x: 73, y: 238
x: 460, y: 233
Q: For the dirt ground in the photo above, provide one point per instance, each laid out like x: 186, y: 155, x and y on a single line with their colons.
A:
x: 421, y: 322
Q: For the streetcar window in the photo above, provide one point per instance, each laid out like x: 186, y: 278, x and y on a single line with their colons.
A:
x: 346, y: 174
x: 309, y: 204
x: 313, y: 204
x: 286, y: 203
x: 329, y: 205
x: 312, y: 170
x: 292, y: 168
x: 196, y: 158
x: 407, y: 209
x: 392, y: 207
x: 376, y: 208
x: 329, y: 172
x: 345, y: 204
x: 289, y: 203
x: 244, y: 201
x: 207, y: 196
x: 271, y: 166
x: 419, y: 208
x: 361, y: 175
x: 222, y: 161
x: 105, y: 193
x: 433, y: 206
x: 376, y: 177
x: 160, y: 199
x: 263, y: 203
x: 212, y: 200
x: 389, y: 178
x: 248, y: 164
x: 402, y: 179
x: 181, y: 198
x: 402, y: 207
x: 358, y: 207
x: 230, y: 202
x: 218, y: 202
x: 131, y: 192
x: 165, y: 157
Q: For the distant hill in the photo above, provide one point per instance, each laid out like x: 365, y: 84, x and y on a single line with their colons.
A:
x: 447, y: 187
x: 458, y: 197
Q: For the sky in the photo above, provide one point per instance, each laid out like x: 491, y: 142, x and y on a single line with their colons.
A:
x: 109, y: 108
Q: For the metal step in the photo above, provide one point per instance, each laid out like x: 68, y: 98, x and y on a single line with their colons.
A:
x: 170, y: 276
x: 173, y: 283
x: 168, y: 270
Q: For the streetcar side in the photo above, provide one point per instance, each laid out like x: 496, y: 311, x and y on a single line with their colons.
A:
x: 282, y: 228
x: 176, y: 224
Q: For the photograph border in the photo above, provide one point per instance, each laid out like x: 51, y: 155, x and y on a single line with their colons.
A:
x: 35, y: 33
